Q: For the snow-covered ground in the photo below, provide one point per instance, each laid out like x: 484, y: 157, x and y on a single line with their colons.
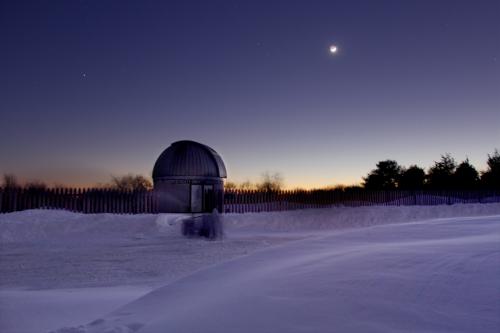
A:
x: 368, y: 269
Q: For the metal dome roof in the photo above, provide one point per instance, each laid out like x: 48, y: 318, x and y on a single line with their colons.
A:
x: 189, y: 159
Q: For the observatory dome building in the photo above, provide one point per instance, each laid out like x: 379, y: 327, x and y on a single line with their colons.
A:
x: 189, y: 178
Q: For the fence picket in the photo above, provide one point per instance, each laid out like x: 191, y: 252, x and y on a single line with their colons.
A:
x: 236, y: 201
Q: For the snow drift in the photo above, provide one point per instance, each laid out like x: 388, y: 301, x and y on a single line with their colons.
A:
x: 58, y: 225
x: 434, y: 276
x: 339, y: 258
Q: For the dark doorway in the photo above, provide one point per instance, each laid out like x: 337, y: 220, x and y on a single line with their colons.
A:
x: 196, y: 198
x: 209, y: 202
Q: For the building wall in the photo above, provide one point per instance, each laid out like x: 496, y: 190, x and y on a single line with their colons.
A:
x: 174, y: 196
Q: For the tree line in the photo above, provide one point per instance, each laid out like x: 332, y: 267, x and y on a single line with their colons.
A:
x: 445, y: 174
x: 269, y: 182
x: 132, y: 182
x: 127, y: 183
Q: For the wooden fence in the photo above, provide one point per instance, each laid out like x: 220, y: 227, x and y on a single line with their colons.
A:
x: 143, y: 202
x: 79, y: 200
x: 259, y: 201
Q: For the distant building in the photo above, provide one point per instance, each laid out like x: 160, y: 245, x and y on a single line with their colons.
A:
x: 189, y: 178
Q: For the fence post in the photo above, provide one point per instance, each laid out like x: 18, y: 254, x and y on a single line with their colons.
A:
x: 14, y: 200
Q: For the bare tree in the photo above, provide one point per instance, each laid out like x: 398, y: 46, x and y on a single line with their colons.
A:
x: 131, y: 183
x: 247, y: 185
x: 271, y: 182
x: 10, y: 181
x: 230, y: 186
x: 35, y: 185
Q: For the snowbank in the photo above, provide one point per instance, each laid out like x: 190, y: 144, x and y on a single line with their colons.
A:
x: 47, y: 225
x: 349, y: 217
x: 49, y: 251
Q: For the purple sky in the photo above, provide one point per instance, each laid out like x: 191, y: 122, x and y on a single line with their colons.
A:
x: 90, y: 89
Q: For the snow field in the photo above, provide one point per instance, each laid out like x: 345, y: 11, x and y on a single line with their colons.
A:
x: 45, y: 255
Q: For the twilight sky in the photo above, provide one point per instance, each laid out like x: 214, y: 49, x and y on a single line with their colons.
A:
x: 90, y: 89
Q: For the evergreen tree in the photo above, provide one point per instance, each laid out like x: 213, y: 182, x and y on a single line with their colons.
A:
x: 412, y: 178
x: 466, y: 176
x: 384, y: 177
x: 491, y: 177
x: 440, y: 176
